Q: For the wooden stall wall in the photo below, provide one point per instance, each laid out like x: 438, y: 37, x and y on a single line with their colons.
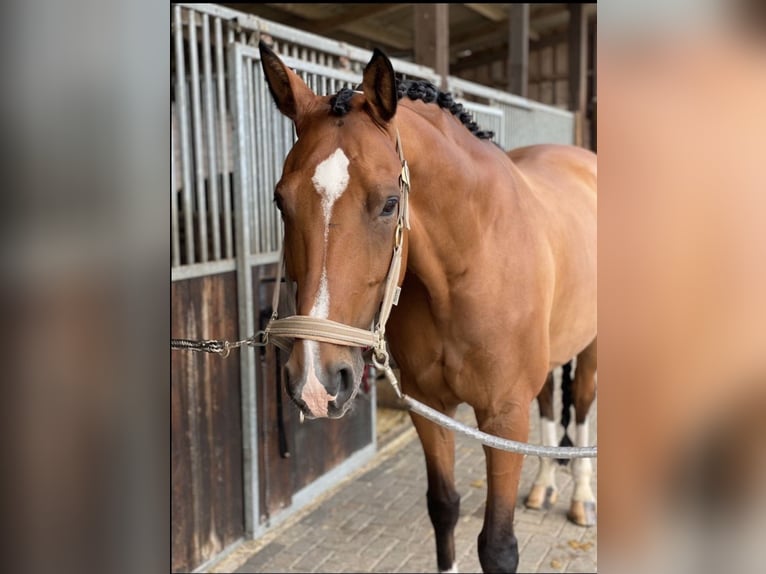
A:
x: 206, y: 444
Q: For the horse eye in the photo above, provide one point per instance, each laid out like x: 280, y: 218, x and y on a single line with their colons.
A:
x: 390, y: 206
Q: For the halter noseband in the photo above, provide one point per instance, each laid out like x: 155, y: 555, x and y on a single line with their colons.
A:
x: 280, y: 331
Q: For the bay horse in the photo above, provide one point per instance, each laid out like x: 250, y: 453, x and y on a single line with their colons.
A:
x: 498, y: 275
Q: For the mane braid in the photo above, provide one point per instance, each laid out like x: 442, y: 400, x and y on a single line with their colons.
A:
x: 340, y: 103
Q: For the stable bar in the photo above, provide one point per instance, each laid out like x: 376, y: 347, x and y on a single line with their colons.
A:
x: 175, y: 247
x: 197, y: 135
x: 212, y: 169
x: 263, y: 96
x: 245, y: 294
x: 183, y: 124
x: 255, y: 232
x: 223, y: 122
x: 267, y: 191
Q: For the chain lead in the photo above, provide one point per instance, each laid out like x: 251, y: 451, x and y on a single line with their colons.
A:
x: 223, y: 348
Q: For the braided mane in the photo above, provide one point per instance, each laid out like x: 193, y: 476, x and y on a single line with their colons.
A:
x: 340, y: 103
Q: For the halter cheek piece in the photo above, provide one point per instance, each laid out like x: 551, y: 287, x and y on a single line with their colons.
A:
x: 280, y: 331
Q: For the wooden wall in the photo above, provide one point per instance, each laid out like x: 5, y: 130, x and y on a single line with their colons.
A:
x: 207, y: 465
x: 206, y: 445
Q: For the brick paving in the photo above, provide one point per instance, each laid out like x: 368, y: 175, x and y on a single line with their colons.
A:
x: 377, y: 521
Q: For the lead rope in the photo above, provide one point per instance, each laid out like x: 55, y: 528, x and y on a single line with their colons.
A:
x: 280, y: 331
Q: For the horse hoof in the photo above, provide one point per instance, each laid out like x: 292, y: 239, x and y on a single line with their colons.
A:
x: 582, y: 513
x: 541, y: 497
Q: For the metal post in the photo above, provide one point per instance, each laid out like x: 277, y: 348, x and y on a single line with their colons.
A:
x: 242, y: 210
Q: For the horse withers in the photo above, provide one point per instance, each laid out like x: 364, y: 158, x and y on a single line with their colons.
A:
x: 498, y: 276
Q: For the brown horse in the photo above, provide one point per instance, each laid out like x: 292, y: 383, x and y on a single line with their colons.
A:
x: 498, y: 284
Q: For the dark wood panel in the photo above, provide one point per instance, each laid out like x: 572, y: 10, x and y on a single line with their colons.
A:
x: 206, y: 423
x: 183, y: 542
x: 275, y: 410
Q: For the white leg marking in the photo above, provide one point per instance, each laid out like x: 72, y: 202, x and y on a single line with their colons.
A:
x: 453, y: 569
x: 582, y: 468
x: 546, y: 474
x: 330, y: 181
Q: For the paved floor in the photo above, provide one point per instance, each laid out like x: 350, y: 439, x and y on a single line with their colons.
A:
x: 376, y: 520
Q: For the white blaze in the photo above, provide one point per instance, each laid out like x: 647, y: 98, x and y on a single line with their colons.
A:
x: 330, y: 181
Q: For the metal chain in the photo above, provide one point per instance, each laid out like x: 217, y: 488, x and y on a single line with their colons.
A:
x: 222, y: 348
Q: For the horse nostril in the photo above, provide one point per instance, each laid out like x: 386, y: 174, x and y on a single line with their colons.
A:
x: 341, y: 382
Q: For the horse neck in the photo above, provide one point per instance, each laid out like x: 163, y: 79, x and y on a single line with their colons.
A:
x: 451, y: 203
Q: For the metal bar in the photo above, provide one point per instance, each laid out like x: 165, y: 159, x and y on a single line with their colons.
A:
x: 267, y: 205
x: 212, y: 169
x: 202, y: 269
x: 197, y: 134
x: 264, y: 191
x: 263, y: 97
x: 175, y: 247
x: 183, y: 124
x: 268, y: 153
x: 224, y: 134
x: 245, y: 294
x: 255, y: 231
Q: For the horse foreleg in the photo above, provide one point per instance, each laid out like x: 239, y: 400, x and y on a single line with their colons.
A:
x: 582, y: 510
x: 544, y: 492
x: 442, y: 498
x: 498, y: 547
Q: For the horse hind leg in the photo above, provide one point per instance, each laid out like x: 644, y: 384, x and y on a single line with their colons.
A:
x: 442, y: 498
x: 582, y: 510
x: 544, y: 493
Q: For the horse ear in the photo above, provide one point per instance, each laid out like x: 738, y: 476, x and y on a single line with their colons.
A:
x: 379, y: 86
x: 289, y: 91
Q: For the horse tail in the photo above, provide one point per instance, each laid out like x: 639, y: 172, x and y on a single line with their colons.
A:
x: 566, y: 406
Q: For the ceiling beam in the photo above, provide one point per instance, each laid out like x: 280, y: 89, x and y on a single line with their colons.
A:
x: 350, y: 15
x: 271, y: 12
x: 490, y: 11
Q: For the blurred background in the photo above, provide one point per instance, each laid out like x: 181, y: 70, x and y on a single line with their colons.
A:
x: 86, y: 287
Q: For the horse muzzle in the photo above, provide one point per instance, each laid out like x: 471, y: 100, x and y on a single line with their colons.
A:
x: 328, y: 393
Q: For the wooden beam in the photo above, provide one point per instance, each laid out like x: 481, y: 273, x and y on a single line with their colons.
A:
x: 481, y: 58
x: 534, y: 78
x: 518, y: 50
x: 353, y: 13
x: 577, y: 57
x: 271, y: 12
x: 431, y: 22
x: 490, y: 11
x: 578, y: 62
x: 398, y: 38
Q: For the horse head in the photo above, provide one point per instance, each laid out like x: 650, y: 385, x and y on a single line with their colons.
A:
x: 339, y: 198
